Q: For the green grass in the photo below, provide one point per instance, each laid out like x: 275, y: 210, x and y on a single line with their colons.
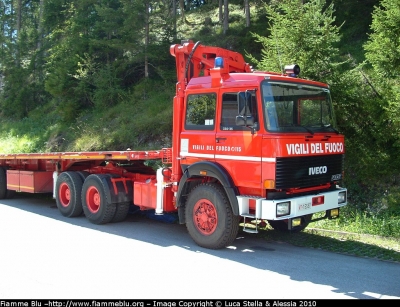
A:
x: 354, y: 233
x: 384, y: 223
x: 354, y: 244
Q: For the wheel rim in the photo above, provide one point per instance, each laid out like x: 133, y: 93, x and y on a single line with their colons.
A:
x: 205, y: 217
x: 93, y: 199
x: 65, y: 194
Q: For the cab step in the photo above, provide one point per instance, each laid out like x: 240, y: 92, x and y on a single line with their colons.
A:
x: 251, y: 217
x: 244, y: 208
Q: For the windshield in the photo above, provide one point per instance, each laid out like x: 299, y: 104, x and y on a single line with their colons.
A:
x: 298, y: 107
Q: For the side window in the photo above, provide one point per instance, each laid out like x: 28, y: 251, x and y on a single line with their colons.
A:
x: 230, y: 111
x: 200, y: 112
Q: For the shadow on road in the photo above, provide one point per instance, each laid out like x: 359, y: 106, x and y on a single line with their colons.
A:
x: 248, y: 249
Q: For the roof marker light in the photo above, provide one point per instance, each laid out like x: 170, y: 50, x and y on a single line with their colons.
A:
x: 219, y: 62
x: 292, y: 70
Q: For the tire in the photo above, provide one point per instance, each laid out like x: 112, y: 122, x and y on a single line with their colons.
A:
x: 83, y: 175
x: 95, y: 202
x: 3, y: 183
x: 282, y: 225
x: 4, y: 192
x: 10, y: 194
x: 121, y: 212
x: 209, y: 217
x: 68, y: 194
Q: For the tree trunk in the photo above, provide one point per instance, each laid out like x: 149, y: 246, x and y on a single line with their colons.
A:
x: 247, y: 12
x: 2, y: 42
x: 182, y: 6
x: 40, y: 26
x: 220, y: 15
x: 146, y: 39
x: 19, y: 23
x: 19, y: 14
x: 226, y: 16
x: 174, y: 16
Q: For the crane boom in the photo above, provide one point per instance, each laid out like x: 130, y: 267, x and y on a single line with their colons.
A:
x: 194, y: 60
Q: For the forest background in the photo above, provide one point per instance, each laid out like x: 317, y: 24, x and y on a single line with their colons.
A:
x: 79, y: 75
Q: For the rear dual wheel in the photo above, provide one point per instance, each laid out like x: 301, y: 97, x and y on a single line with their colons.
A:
x: 76, y: 193
x: 4, y: 192
x: 3, y: 183
x: 121, y: 211
x: 68, y: 194
x: 96, y: 204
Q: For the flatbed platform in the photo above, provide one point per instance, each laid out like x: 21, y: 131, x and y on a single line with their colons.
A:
x: 6, y: 159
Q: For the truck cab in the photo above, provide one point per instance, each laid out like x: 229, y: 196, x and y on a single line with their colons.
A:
x: 269, y: 140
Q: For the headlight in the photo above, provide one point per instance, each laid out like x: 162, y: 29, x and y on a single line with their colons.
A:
x: 342, y: 197
x: 283, y: 208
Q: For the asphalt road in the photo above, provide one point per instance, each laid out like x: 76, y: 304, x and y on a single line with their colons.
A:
x: 44, y: 255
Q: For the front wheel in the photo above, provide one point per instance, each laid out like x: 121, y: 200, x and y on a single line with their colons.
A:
x: 209, y: 217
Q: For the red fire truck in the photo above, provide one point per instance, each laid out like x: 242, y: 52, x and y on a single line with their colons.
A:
x: 248, y: 146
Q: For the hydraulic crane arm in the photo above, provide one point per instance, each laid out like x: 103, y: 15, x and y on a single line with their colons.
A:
x: 195, y: 60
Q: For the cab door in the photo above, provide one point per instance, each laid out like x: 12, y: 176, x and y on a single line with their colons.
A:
x: 238, y: 147
x: 198, y: 133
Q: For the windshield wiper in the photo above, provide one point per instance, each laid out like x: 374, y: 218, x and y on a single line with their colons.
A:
x: 308, y: 129
x: 330, y: 126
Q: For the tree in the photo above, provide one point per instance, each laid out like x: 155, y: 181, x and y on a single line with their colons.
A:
x: 20, y: 62
x: 182, y: 8
x: 174, y: 17
x: 146, y: 38
x: 383, y: 54
x: 247, y: 12
x: 71, y: 25
x: 40, y: 24
x: 304, y: 34
x: 220, y: 11
x: 383, y: 46
x: 19, y: 28
x: 226, y: 16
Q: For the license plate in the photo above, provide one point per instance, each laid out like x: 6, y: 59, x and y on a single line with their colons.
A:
x: 303, y: 207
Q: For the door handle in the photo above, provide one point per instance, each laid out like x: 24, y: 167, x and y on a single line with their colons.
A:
x: 220, y: 139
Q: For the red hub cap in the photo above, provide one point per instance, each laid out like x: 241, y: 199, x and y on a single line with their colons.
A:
x: 64, y: 194
x: 93, y: 199
x: 205, y: 216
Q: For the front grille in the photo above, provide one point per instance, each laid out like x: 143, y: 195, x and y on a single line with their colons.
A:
x: 295, y: 172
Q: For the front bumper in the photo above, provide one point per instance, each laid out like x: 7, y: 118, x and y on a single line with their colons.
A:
x: 298, y: 206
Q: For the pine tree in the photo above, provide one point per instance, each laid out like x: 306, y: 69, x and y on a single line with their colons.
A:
x: 304, y: 34
x: 383, y: 46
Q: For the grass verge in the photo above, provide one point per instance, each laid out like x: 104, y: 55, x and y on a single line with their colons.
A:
x: 354, y: 244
